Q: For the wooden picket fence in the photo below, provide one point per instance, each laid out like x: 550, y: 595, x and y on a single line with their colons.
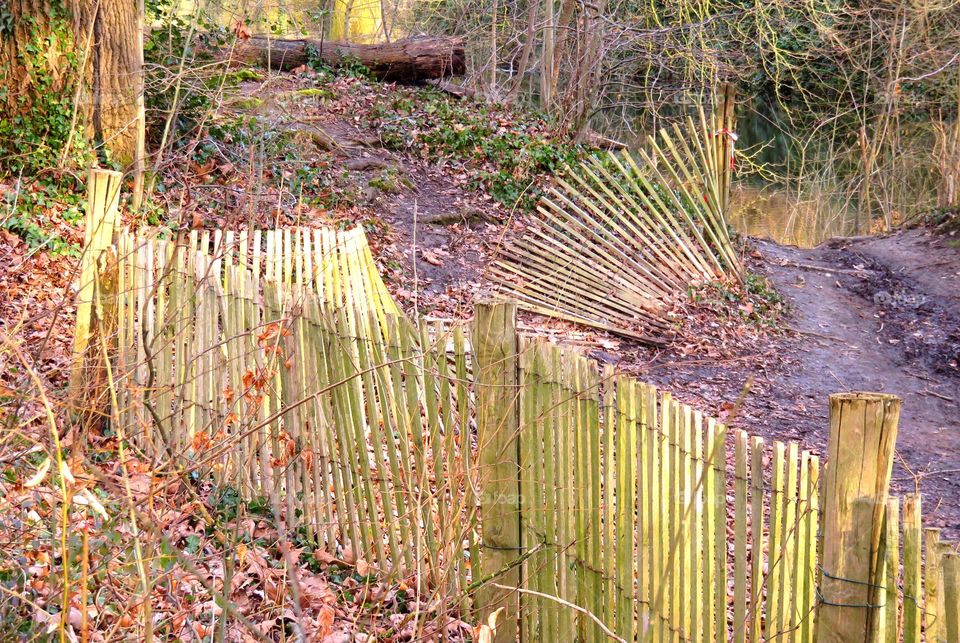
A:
x: 278, y: 362
x: 500, y: 471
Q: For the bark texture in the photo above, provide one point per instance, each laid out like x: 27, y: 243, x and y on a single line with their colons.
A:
x: 405, y: 61
x: 92, y: 57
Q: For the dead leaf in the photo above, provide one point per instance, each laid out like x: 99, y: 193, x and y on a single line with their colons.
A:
x: 486, y: 631
x: 240, y: 30
x: 431, y: 257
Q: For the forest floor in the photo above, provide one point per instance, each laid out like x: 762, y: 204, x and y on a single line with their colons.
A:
x: 879, y: 313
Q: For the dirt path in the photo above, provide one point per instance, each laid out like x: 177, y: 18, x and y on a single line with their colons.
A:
x: 883, y: 314
x: 879, y: 314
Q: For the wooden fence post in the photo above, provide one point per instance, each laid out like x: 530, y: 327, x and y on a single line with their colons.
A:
x: 103, y: 195
x: 863, y: 431
x: 495, y: 355
x: 726, y: 129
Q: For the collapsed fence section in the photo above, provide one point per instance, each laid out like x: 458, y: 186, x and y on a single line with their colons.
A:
x: 501, y: 472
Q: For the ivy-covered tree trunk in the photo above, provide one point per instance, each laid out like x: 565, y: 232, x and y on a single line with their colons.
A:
x: 71, y: 78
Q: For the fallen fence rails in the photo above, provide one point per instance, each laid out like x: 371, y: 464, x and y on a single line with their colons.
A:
x: 500, y: 471
x: 621, y: 235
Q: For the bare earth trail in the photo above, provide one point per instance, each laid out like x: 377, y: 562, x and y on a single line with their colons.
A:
x: 887, y: 320
x: 877, y: 314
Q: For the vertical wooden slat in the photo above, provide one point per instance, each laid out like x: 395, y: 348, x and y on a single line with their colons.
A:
x: 607, y: 502
x: 891, y: 614
x: 554, y: 551
x: 741, y: 455
x: 787, y: 590
x: 809, y: 560
x: 701, y: 624
x: 719, y: 477
x: 931, y: 575
x: 581, y: 496
x: 626, y: 505
x: 470, y: 555
x: 655, y: 505
x: 642, y: 560
x: 912, y: 583
x: 757, y: 580
x: 672, y: 475
x: 669, y: 486
x: 774, y: 613
x: 592, y: 426
x: 529, y: 392
x: 950, y: 566
x: 686, y: 583
x: 566, y: 425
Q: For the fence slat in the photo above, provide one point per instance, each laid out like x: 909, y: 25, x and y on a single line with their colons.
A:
x: 787, y: 590
x: 775, y: 574
x: 590, y: 382
x: 626, y: 505
x: 741, y: 455
x: 656, y: 506
x: 912, y: 583
x: 719, y: 526
x: 931, y: 574
x: 530, y: 383
x: 809, y: 562
x: 757, y: 579
x: 607, y: 502
x: 703, y: 612
x: 950, y: 564
x: 566, y: 424
x: 891, y: 614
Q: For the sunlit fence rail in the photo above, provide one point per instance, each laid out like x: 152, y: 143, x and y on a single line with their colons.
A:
x: 501, y: 471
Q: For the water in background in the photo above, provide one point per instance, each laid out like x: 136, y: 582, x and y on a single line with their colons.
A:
x: 791, y: 195
x: 783, y: 190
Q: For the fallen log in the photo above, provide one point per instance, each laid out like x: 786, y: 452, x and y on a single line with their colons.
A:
x: 413, y: 60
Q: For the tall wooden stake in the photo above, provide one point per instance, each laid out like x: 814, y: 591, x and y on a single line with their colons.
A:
x: 495, y: 354
x: 728, y: 137
x: 103, y: 196
x: 856, y: 480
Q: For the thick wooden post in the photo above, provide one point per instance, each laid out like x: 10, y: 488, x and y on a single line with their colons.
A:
x: 856, y: 480
x: 103, y: 194
x: 495, y: 354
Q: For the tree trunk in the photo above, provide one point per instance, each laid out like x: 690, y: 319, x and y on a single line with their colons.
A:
x: 405, y: 61
x: 82, y: 59
x: 357, y: 21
